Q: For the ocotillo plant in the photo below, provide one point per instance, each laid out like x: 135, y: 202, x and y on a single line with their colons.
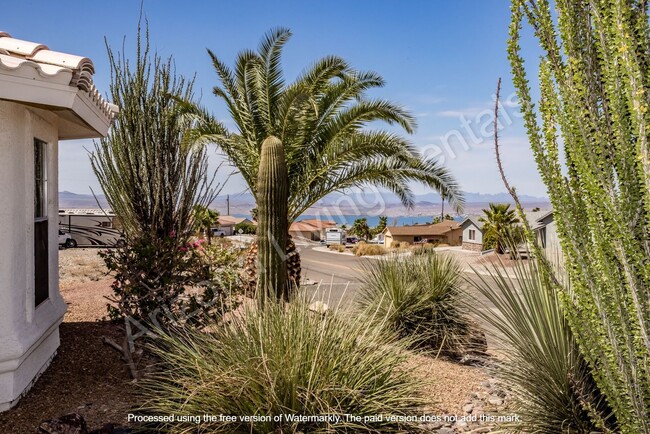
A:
x: 592, y: 150
x: 272, y: 229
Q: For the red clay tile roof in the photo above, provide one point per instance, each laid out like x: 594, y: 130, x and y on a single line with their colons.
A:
x: 303, y: 227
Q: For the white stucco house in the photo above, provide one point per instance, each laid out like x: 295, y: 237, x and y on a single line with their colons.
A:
x: 45, y: 97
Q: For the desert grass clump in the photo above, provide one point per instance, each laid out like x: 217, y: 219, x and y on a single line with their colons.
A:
x: 424, y: 249
x: 284, y: 360
x: 541, y: 367
x: 365, y: 249
x: 418, y: 297
x: 337, y: 248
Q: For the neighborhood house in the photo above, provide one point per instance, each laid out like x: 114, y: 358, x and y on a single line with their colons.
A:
x: 310, y: 229
x: 472, y: 234
x: 45, y: 97
x: 541, y: 222
x: 446, y: 232
x: 227, y: 224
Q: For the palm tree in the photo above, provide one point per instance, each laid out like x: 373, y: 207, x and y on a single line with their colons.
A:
x: 381, y: 225
x: 361, y: 229
x: 321, y: 119
x: 205, y: 219
x: 498, y: 226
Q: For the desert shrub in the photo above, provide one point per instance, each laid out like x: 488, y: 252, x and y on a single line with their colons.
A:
x: 365, y: 249
x: 283, y: 359
x: 589, y: 132
x: 157, y: 186
x: 418, y: 297
x: 396, y: 244
x: 337, y: 248
x: 404, y: 245
x: 157, y: 280
x: 424, y: 249
x: 542, y: 368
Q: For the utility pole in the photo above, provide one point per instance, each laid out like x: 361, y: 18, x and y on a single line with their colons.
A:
x: 442, y: 208
x: 227, y: 204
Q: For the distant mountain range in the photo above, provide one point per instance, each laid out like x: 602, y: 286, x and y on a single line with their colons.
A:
x: 335, y: 203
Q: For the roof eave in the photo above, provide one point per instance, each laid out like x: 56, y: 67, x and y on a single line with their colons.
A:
x: 88, y: 121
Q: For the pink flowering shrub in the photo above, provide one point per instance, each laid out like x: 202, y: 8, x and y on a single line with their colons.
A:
x: 163, y: 279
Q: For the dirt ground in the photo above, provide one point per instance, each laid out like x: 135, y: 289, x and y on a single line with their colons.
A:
x: 88, y: 377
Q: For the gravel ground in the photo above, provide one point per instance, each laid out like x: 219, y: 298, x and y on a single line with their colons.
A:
x: 88, y: 377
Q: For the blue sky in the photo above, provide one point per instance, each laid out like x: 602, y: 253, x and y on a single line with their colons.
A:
x: 440, y: 59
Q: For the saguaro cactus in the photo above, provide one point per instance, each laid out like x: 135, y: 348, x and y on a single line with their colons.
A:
x: 272, y: 229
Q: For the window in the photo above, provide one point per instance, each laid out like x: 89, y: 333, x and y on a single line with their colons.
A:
x: 41, y: 232
x: 106, y: 224
x: 472, y: 235
x: 40, y: 179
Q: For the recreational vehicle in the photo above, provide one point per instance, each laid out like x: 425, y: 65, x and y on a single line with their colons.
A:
x: 90, y: 227
x: 334, y: 236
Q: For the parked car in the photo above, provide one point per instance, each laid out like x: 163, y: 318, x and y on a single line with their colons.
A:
x: 218, y: 233
x: 351, y: 240
x: 66, y: 240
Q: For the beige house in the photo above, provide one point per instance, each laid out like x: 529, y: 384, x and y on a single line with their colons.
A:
x: 447, y: 232
x: 311, y: 229
x: 227, y: 223
x: 45, y: 97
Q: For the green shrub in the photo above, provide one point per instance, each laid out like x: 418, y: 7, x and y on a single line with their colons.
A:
x: 549, y: 381
x: 418, y: 297
x: 589, y: 133
x: 365, y: 249
x: 247, y: 228
x: 157, y: 279
x: 283, y: 359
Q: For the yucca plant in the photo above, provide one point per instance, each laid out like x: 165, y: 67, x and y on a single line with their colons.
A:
x: 540, y: 364
x: 418, y: 298
x: 280, y: 360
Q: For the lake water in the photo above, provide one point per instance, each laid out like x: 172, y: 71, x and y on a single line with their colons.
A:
x: 372, y: 220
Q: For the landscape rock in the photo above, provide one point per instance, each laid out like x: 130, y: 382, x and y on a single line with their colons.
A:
x: 467, y: 408
x: 469, y: 420
x: 495, y: 400
x: 72, y: 423
x: 319, y: 307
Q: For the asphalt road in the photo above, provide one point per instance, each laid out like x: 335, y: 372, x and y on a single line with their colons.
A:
x: 339, y: 278
x: 335, y: 272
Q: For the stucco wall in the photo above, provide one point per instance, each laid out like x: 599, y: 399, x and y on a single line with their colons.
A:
x: 28, y: 335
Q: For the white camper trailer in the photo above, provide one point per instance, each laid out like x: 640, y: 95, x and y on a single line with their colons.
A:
x: 334, y: 236
x: 90, y: 227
